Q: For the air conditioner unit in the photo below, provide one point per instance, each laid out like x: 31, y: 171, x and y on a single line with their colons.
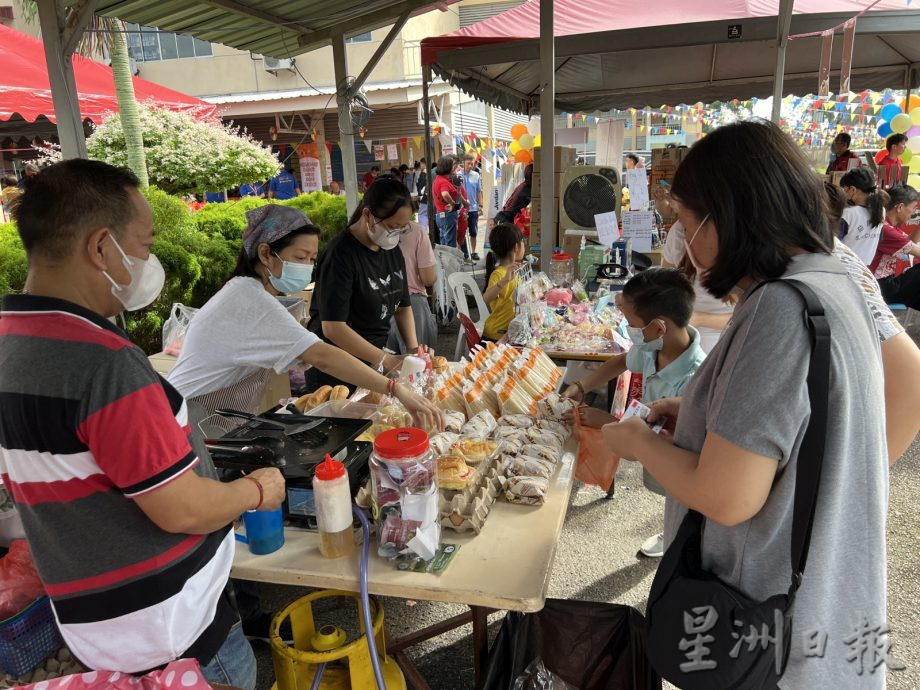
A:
x: 586, y: 191
x: 275, y: 65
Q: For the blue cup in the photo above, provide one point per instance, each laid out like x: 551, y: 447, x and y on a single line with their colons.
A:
x: 264, y: 531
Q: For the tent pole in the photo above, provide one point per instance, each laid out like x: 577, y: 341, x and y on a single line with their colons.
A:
x: 429, y: 164
x: 60, y: 76
x: 346, y: 134
x: 783, y: 21
x: 547, y: 124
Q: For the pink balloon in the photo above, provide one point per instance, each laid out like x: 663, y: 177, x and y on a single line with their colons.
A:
x: 913, y: 131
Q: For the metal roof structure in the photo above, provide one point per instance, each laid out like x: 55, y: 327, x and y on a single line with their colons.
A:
x: 277, y: 28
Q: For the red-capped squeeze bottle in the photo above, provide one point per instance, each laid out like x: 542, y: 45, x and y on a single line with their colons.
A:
x: 333, y: 509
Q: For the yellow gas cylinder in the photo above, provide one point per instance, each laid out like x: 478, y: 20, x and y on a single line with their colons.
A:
x: 348, y: 664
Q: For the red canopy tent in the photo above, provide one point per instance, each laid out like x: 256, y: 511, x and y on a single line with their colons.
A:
x: 25, y: 89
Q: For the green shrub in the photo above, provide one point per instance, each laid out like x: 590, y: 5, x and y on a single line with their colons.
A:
x: 13, y: 264
x: 198, y: 252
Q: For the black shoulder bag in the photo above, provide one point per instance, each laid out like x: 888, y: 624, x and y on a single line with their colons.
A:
x: 704, y: 634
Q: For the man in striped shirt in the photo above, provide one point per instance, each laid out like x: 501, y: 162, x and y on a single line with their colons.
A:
x: 129, y: 529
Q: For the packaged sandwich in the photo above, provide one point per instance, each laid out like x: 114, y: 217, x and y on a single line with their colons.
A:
x: 526, y: 490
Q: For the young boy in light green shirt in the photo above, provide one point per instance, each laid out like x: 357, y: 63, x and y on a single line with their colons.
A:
x: 657, y: 304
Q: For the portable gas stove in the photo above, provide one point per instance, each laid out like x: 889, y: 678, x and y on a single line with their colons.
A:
x: 298, y: 455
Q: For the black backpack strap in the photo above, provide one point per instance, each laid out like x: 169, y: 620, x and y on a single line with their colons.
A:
x: 811, y: 452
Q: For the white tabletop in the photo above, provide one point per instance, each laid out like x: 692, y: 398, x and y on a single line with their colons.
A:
x: 506, y: 566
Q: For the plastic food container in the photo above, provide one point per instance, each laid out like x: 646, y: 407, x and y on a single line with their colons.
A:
x: 562, y: 270
x: 333, y: 509
x: 404, y: 493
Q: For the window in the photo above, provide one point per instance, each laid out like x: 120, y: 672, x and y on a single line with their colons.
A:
x: 146, y: 44
x: 360, y: 38
x: 477, y: 13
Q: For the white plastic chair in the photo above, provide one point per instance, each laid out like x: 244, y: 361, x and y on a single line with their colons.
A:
x: 459, y: 284
x: 448, y: 260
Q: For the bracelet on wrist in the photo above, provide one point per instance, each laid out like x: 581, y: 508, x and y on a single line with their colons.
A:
x: 580, y: 387
x: 391, y: 387
x: 259, y: 487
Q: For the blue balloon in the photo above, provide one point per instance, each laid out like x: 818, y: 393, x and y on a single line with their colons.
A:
x: 884, y: 129
x: 889, y: 111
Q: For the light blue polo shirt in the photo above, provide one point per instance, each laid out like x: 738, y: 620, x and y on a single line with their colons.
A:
x: 670, y: 381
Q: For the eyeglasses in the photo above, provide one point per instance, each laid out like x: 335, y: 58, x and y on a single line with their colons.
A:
x: 397, y: 232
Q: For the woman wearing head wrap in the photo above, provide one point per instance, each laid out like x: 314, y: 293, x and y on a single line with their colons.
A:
x: 243, y: 332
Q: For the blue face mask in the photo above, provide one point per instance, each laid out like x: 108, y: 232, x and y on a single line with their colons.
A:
x: 637, y: 335
x: 294, y: 277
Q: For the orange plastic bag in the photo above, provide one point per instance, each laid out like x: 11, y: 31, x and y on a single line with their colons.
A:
x: 20, y: 584
x: 596, y: 463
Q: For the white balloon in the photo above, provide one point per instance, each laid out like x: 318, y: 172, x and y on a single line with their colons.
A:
x: 533, y: 127
x: 914, y: 144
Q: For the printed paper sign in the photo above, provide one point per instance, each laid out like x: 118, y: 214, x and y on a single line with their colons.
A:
x: 392, y: 152
x: 310, y: 175
x: 608, y: 230
x: 637, y: 181
x: 379, y: 152
x: 638, y: 226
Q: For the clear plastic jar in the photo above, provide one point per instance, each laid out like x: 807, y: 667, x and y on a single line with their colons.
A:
x: 562, y: 270
x: 404, y: 492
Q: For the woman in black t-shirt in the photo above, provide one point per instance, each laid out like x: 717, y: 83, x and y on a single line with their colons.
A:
x: 361, y: 281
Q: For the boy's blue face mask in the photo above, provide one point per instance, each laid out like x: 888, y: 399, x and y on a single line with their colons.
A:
x: 637, y: 335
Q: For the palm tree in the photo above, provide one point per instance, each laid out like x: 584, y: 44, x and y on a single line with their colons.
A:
x: 108, y: 35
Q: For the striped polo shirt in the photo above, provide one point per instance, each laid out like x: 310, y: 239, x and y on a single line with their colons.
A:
x: 86, y: 426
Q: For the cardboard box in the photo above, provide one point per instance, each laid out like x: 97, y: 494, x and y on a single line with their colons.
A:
x: 563, y: 157
x: 571, y: 243
x: 557, y: 185
x: 535, y: 232
x: 540, y: 207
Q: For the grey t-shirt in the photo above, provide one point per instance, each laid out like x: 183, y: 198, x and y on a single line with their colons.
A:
x: 751, y: 391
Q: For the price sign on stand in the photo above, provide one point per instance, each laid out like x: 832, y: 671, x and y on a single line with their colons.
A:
x: 637, y: 181
x: 638, y: 226
x: 608, y: 229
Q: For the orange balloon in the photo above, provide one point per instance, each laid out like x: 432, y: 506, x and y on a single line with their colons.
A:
x: 523, y: 156
x: 517, y: 131
x: 880, y: 155
x: 910, y: 103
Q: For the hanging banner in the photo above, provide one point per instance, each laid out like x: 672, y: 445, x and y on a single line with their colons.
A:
x: 846, y: 57
x: 369, y: 145
x: 392, y: 152
x: 824, y: 71
x: 379, y: 152
x: 310, y: 178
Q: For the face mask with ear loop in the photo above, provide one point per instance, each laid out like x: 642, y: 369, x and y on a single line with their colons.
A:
x: 696, y: 265
x: 147, y: 280
x: 294, y: 276
x: 637, y: 335
x: 382, y: 237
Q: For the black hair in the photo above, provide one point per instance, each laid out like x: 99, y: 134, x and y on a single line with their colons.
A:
x: 417, y: 165
x: 658, y: 292
x: 68, y: 200
x: 845, y: 138
x: 246, y: 265
x: 503, y: 239
x: 763, y: 197
x: 633, y: 157
x: 528, y: 175
x: 445, y: 165
x: 835, y: 201
x: 894, y: 140
x: 383, y: 199
x: 375, y: 167
x: 864, y: 180
x: 9, y: 180
x: 403, y: 168
x: 901, y: 194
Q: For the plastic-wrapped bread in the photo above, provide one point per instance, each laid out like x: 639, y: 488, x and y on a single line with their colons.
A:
x: 554, y: 406
x: 442, y: 442
x: 528, y: 466
x: 505, y: 433
x: 557, y: 428
x: 480, y: 426
x: 480, y: 397
x: 454, y: 421
x: 521, y: 421
x: 526, y: 490
x: 542, y: 437
x: 475, y: 450
x: 513, y: 445
x: 541, y: 452
x: 512, y: 398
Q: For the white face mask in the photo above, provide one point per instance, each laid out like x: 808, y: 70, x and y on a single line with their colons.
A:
x: 147, y: 280
x: 637, y: 335
x: 382, y: 237
x: 699, y: 269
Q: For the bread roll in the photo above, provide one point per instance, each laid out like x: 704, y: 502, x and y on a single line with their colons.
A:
x: 322, y: 394
x: 439, y: 364
x: 303, y: 402
x: 453, y: 472
x: 339, y: 393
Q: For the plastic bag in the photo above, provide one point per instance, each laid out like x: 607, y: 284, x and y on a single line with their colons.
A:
x: 20, y: 584
x: 595, y: 464
x: 571, y: 645
x: 175, y: 328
